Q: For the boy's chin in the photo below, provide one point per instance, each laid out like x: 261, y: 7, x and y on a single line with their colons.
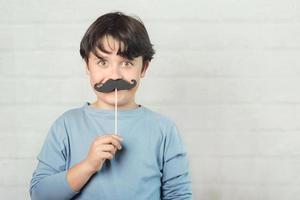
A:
x: 119, y: 104
x: 109, y: 98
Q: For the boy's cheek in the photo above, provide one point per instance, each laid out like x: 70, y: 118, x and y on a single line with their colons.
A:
x: 96, y: 79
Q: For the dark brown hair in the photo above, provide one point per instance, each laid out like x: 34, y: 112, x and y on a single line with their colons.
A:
x: 128, y: 31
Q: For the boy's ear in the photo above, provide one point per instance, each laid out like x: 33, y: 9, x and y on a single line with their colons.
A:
x: 146, y: 65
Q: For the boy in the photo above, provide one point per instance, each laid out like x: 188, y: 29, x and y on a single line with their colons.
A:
x: 82, y: 157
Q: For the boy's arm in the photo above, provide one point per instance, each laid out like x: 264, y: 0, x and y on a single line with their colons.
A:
x: 47, y: 183
x: 176, y: 180
x: 49, y: 180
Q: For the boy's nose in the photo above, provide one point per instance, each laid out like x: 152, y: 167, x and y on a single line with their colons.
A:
x: 116, y: 74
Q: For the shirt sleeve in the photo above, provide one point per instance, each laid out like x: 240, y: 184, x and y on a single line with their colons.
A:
x: 49, y: 179
x: 176, y: 181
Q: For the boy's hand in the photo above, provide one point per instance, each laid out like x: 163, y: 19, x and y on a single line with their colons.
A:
x: 103, y: 147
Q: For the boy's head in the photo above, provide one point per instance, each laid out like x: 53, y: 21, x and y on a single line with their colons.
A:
x: 116, y: 46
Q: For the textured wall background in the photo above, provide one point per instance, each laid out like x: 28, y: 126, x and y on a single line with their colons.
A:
x: 227, y: 72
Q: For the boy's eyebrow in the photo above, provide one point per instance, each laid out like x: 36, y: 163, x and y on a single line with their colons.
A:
x: 104, y: 57
x: 101, y: 57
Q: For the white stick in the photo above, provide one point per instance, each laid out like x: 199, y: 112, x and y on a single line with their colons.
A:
x: 116, y: 111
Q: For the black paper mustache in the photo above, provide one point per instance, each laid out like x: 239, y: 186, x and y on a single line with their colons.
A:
x: 110, y: 85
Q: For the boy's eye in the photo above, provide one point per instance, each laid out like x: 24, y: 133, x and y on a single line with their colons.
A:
x: 101, y: 62
x: 127, y: 63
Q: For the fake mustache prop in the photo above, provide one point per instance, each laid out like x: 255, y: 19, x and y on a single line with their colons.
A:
x: 110, y: 85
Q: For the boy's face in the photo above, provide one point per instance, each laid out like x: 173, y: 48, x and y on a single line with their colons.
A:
x: 113, y: 66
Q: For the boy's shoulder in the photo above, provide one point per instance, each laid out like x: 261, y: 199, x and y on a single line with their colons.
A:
x: 159, y: 117
x: 71, y: 113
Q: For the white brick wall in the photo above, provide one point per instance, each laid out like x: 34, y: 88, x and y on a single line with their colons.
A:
x: 230, y: 68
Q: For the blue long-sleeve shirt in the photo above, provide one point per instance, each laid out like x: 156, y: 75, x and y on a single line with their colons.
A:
x: 152, y: 163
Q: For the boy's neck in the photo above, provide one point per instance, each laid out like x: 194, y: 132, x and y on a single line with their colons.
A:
x: 100, y: 104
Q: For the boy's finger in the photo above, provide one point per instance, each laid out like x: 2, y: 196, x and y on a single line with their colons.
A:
x: 117, y: 137
x: 110, y: 140
x: 110, y: 135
